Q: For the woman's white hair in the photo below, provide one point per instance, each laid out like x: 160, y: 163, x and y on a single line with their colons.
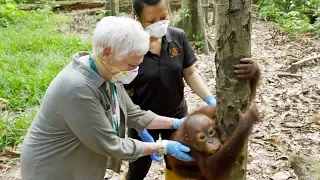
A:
x: 124, y: 35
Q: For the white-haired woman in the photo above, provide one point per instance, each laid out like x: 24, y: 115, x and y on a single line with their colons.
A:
x: 79, y: 130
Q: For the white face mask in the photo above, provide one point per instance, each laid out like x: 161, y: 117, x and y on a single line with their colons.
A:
x: 158, y: 29
x: 125, y: 77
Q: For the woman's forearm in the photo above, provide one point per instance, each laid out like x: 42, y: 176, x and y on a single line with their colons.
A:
x: 151, y: 147
x: 196, y: 83
x: 160, y: 122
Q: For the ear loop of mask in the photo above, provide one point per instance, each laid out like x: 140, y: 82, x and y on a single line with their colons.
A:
x: 135, y: 15
x: 99, y: 61
x: 169, y: 10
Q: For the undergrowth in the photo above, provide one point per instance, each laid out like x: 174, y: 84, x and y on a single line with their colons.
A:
x: 296, y: 17
x: 14, y: 126
x: 34, y: 47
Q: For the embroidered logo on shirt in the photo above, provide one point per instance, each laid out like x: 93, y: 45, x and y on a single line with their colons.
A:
x: 174, y: 52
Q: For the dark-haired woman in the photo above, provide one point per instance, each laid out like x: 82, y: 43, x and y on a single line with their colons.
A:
x: 159, y: 86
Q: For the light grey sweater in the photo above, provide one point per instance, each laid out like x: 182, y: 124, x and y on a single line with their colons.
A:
x: 72, y: 136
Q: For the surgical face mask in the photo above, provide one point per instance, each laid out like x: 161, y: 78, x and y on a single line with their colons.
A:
x: 125, y: 77
x: 158, y: 29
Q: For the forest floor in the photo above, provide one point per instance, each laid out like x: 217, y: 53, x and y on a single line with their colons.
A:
x: 288, y: 99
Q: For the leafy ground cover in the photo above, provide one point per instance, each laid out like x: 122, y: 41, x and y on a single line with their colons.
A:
x: 33, y: 48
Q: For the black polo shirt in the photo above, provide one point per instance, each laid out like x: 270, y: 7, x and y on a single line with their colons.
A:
x: 159, y: 85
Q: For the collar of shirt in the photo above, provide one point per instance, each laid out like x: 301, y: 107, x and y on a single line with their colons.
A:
x: 93, y: 77
x: 168, y: 37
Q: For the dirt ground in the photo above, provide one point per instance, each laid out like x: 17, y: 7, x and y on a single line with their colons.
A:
x: 288, y: 98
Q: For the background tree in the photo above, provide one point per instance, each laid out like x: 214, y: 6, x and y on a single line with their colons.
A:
x: 112, y: 7
x: 190, y: 22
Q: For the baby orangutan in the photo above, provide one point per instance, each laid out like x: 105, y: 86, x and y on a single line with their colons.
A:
x: 213, y: 160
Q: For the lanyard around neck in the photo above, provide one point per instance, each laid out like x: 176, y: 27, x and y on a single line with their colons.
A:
x: 94, y: 68
x: 112, y: 90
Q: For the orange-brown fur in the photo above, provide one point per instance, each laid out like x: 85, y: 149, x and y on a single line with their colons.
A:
x: 215, y: 166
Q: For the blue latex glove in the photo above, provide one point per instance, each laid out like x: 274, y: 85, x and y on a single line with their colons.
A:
x: 177, y: 150
x: 156, y: 157
x: 211, y: 100
x: 146, y: 137
x: 177, y: 123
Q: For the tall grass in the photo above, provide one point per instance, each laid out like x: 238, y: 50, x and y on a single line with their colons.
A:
x: 33, y: 49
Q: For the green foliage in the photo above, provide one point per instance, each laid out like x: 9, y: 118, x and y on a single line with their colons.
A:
x: 13, y: 127
x: 198, y: 41
x: 32, y: 52
x: 9, y: 14
x: 34, y: 47
x: 22, y: 1
x: 317, y: 26
x: 295, y: 17
x: 179, y: 16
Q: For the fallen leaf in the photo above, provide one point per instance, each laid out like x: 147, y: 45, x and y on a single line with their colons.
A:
x: 280, y: 176
x: 292, y: 125
x: 315, y: 137
x: 4, y: 159
x: 316, y: 120
x: 279, y: 145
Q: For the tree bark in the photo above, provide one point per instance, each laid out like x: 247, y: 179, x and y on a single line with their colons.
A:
x: 113, y: 7
x: 117, y: 4
x: 306, y: 167
x: 233, y: 29
x: 203, y: 25
x: 205, y: 10
x: 191, y: 24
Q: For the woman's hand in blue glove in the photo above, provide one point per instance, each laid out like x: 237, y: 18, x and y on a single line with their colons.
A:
x: 146, y: 137
x: 177, y: 150
x: 156, y: 157
x: 177, y: 123
x: 211, y: 100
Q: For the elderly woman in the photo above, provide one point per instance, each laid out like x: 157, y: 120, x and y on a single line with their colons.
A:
x: 79, y: 130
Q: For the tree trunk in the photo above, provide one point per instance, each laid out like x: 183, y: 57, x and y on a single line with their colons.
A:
x: 213, y: 13
x: 306, y: 167
x: 205, y: 3
x: 117, y: 6
x: 203, y: 25
x: 254, y: 1
x: 191, y: 24
x: 113, y: 7
x: 233, y: 29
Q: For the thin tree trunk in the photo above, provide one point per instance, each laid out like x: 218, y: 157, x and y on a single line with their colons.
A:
x: 113, y: 7
x: 191, y: 23
x: 214, y: 13
x: 201, y: 19
x: 205, y: 10
x: 117, y: 6
x: 233, y: 29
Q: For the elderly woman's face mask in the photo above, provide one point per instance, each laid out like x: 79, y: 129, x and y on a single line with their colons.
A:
x: 123, y: 77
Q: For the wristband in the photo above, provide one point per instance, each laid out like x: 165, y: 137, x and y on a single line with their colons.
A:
x: 171, y: 125
x: 163, y: 147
